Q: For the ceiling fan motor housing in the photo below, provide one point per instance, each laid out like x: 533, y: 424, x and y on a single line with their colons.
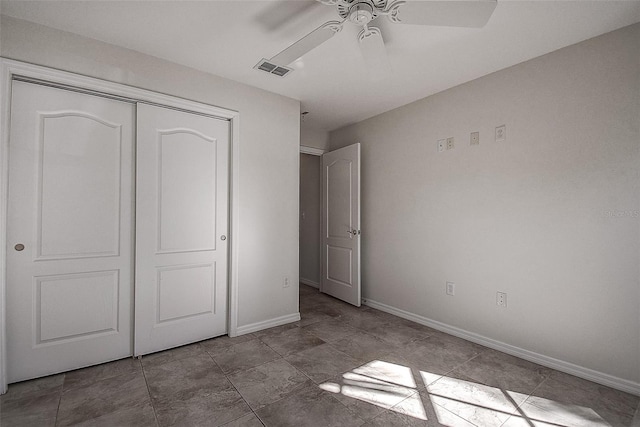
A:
x: 360, y: 12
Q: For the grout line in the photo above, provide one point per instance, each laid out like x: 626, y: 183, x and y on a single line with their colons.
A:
x: 243, y: 399
x: 144, y: 375
x: 55, y: 420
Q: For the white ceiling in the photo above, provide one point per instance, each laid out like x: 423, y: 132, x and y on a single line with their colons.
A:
x: 228, y: 38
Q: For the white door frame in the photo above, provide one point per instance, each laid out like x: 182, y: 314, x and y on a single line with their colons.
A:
x: 312, y: 151
x: 9, y: 69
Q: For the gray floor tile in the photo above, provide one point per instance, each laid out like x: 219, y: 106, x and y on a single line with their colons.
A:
x: 184, y: 378
x: 366, y: 396
x: 268, y: 383
x: 366, y: 320
x: 307, y: 290
x: 311, y: 407
x: 166, y: 356
x: 37, y: 409
x: 435, y: 355
x: 311, y: 317
x: 243, y: 356
x: 326, y: 306
x: 330, y: 330
x: 503, y: 371
x: 40, y: 386
x: 249, y: 420
x: 139, y: 417
x: 565, y: 404
x: 606, y: 394
x: 203, y: 408
x: 396, y: 334
x: 291, y: 341
x: 418, y: 411
x: 477, y: 403
x: 276, y: 329
x: 322, y: 362
x: 364, y: 346
x: 102, y: 398
x: 225, y: 341
x: 92, y: 374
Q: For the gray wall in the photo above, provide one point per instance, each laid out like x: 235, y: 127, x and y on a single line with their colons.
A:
x: 314, y: 138
x: 310, y: 219
x: 550, y: 216
x: 269, y: 151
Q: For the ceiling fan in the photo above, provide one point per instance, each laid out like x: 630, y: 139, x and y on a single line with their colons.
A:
x: 451, y: 13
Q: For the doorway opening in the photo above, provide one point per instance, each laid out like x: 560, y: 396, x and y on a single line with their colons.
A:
x: 310, y: 218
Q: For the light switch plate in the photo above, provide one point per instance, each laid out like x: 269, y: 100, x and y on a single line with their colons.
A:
x: 501, y: 133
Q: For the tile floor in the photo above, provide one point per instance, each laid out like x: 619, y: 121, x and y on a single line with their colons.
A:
x: 338, y: 366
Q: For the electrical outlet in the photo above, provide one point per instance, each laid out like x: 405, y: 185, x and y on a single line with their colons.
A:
x: 501, y: 133
x: 501, y: 299
x: 286, y: 282
x: 450, y: 143
x: 451, y: 288
x: 475, y: 138
x: 442, y: 145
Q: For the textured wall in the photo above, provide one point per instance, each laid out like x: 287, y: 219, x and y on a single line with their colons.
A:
x: 550, y: 216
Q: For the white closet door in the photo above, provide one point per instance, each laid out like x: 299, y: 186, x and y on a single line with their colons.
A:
x: 69, y: 231
x: 181, y: 228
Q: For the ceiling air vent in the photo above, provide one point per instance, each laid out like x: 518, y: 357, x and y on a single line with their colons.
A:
x: 278, y: 70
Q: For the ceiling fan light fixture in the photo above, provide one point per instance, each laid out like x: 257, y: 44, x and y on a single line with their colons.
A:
x: 361, y: 13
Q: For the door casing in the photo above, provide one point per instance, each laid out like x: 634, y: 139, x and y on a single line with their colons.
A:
x: 11, y: 69
x: 317, y: 152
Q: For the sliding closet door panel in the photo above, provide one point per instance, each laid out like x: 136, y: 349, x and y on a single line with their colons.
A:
x: 69, y: 231
x: 181, y: 228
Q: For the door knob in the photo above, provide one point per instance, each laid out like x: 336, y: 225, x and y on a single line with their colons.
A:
x: 223, y: 237
x: 19, y: 247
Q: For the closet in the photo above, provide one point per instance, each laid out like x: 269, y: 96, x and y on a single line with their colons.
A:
x: 117, y: 226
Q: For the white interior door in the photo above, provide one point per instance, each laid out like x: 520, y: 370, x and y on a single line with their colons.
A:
x: 341, y: 224
x: 69, y: 231
x: 181, y: 228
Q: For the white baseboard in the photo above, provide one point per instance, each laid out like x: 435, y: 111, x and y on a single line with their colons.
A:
x: 309, y: 283
x: 266, y: 324
x: 550, y: 362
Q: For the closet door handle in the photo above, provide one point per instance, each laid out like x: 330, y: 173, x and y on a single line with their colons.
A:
x: 19, y: 247
x: 223, y: 237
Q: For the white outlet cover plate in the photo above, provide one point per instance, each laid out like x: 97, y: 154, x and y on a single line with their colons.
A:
x: 451, y: 288
x: 442, y: 145
x: 501, y: 299
x: 501, y: 133
x: 475, y: 138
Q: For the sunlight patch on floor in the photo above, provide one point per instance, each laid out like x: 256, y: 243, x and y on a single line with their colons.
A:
x: 390, y: 372
x: 477, y: 403
x: 383, y: 384
x: 456, y: 402
x: 492, y: 406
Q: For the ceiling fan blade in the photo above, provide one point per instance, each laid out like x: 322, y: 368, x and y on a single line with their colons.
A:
x: 456, y: 13
x: 283, y: 12
x: 374, y: 52
x: 308, y: 43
